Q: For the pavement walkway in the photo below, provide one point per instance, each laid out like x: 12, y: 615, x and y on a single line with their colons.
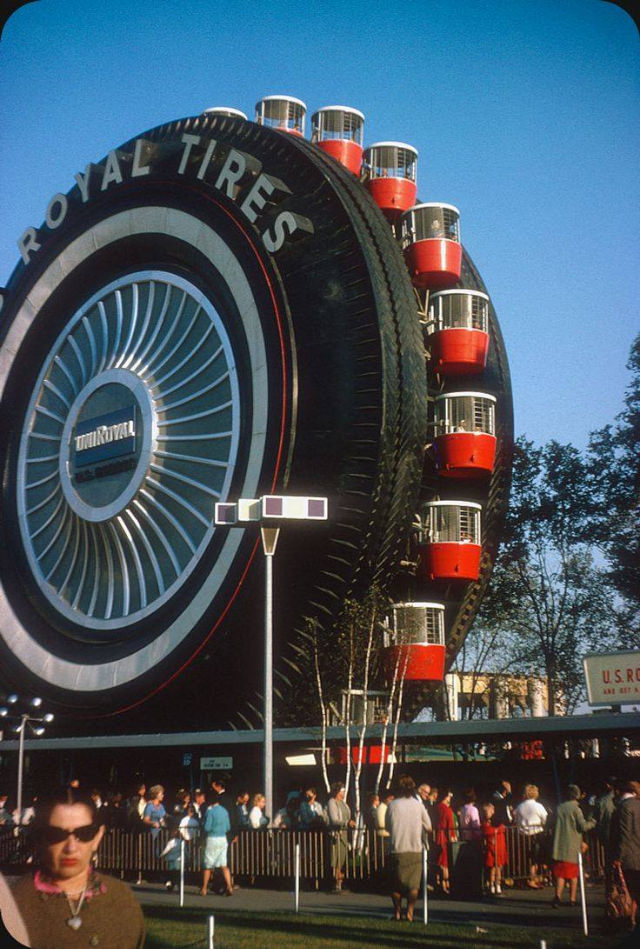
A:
x: 518, y: 907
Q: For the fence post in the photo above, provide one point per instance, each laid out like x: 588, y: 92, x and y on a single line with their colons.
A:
x: 182, y: 871
x: 211, y: 928
x: 583, y: 901
x: 425, y: 904
x: 296, y: 882
x: 139, y: 880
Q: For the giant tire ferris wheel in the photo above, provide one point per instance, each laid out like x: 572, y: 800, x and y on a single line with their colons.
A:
x: 225, y: 347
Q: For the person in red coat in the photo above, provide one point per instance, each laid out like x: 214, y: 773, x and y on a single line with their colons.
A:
x: 445, y: 830
x: 495, y: 848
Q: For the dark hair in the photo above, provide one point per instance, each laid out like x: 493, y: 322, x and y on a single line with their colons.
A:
x: 213, y: 797
x: 65, y: 796
x: 445, y: 793
x: 469, y: 796
x: 335, y: 787
x: 406, y: 785
x: 573, y: 792
x: 628, y: 787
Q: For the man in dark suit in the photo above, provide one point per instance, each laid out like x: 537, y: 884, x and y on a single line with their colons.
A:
x: 501, y: 800
x: 625, y: 840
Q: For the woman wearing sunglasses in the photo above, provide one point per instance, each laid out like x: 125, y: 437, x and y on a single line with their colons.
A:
x: 66, y: 903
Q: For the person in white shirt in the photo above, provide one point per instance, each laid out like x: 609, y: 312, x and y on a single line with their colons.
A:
x: 531, y: 817
x: 257, y: 819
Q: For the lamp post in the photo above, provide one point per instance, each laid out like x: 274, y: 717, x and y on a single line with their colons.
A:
x: 270, y: 511
x: 25, y: 719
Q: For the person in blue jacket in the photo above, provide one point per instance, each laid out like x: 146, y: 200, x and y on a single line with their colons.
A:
x: 216, y: 827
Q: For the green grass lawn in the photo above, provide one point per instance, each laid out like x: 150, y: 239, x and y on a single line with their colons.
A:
x: 170, y: 928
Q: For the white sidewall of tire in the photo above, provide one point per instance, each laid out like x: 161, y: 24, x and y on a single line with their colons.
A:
x: 183, y: 226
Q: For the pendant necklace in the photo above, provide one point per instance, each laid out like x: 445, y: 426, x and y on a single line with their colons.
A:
x: 74, y: 921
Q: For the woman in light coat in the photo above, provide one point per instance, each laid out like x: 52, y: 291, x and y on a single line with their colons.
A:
x: 339, y: 815
x: 571, y: 824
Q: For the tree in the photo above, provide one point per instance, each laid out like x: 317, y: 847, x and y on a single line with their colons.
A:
x: 487, y: 649
x: 614, y: 468
x: 347, y: 664
x: 547, y: 596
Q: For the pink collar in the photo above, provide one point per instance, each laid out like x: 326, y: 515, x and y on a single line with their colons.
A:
x: 94, y: 885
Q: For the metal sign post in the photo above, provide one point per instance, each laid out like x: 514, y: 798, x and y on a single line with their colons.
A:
x: 269, y: 540
x: 270, y: 512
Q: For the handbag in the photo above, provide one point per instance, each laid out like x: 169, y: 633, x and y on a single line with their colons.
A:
x: 619, y: 903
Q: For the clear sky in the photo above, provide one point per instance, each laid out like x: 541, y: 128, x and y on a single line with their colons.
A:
x: 525, y: 115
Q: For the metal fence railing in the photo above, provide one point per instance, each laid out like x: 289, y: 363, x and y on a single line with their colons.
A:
x: 265, y: 855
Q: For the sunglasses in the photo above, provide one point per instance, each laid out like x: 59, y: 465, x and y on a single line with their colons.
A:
x: 57, y: 835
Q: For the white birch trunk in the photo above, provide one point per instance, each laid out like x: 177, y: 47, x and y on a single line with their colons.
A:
x: 323, y: 711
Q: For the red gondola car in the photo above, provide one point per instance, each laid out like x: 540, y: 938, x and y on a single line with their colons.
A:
x: 465, y: 442
x: 430, y: 235
x: 392, y: 176
x: 415, y: 647
x: 458, y: 332
x: 283, y: 113
x: 338, y: 130
x: 452, y: 541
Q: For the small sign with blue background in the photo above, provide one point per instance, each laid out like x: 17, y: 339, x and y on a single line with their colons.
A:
x: 105, y: 437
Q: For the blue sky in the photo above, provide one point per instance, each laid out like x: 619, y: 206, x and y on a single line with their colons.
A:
x: 525, y: 116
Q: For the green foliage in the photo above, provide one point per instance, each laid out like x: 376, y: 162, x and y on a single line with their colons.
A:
x: 548, y: 599
x: 614, y: 470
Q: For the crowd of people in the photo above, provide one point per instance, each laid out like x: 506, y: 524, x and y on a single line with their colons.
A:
x: 405, y: 821
x: 554, y: 839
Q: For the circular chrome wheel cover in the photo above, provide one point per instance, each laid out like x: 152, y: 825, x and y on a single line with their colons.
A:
x: 130, y: 438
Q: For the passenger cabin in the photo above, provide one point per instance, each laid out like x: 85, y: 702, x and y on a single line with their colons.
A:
x: 465, y: 439
x: 338, y: 130
x: 430, y: 236
x: 391, y: 180
x: 458, y: 331
x: 452, y: 545
x: 283, y: 113
x: 225, y: 110
x: 414, y: 642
